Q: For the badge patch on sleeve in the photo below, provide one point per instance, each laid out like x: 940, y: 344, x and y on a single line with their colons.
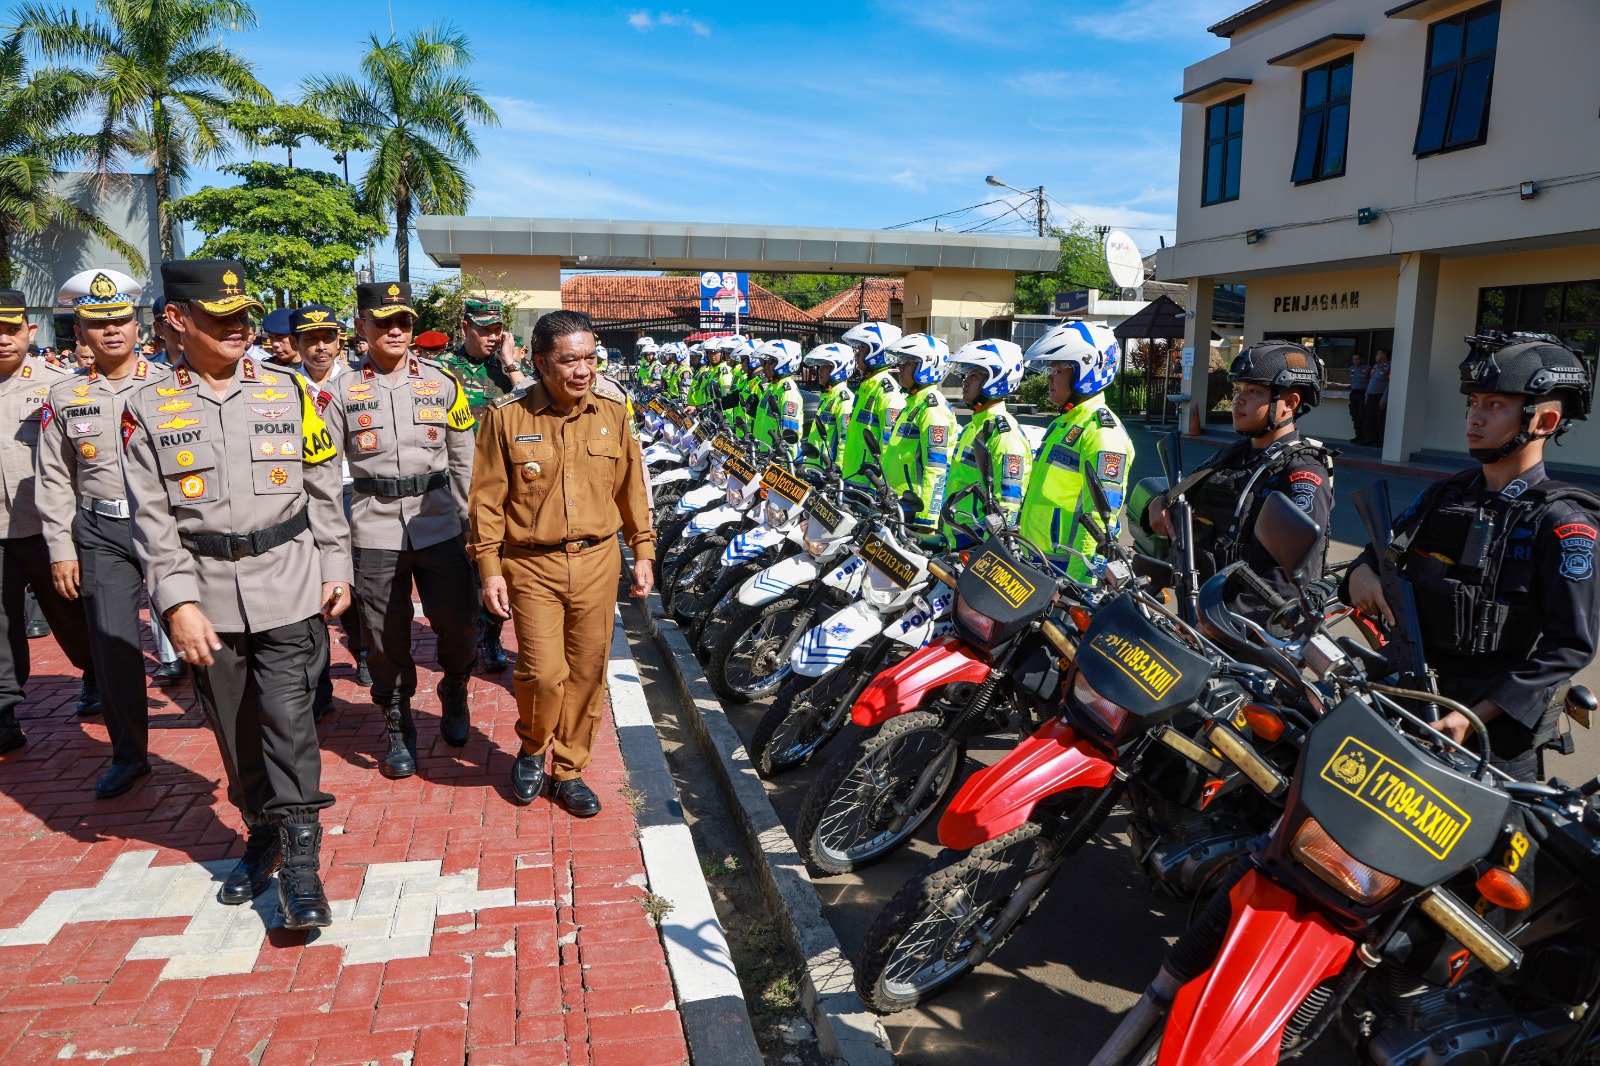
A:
x: 1110, y: 466
x: 129, y: 424
x: 937, y: 434
x: 1577, y: 550
x: 1013, y: 466
x: 791, y: 409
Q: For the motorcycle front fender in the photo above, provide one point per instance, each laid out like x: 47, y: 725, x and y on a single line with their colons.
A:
x: 667, y: 477
x: 902, y: 687
x: 1001, y: 797
x: 779, y: 578
x: 697, y: 498
x: 1277, y: 950
x: 831, y: 641
x: 711, y: 521
x: 661, y: 453
x: 749, y: 544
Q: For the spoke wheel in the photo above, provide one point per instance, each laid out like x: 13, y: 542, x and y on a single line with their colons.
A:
x: 801, y: 720
x: 745, y: 665
x: 695, y: 577
x: 847, y: 821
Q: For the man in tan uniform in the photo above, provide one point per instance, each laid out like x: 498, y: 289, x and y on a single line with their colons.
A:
x: 84, y: 507
x: 238, y: 521
x: 24, y: 560
x: 557, y: 473
x: 405, y: 428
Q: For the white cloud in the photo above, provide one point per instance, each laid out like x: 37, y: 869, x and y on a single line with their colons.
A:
x: 1151, y: 20
x: 644, y: 21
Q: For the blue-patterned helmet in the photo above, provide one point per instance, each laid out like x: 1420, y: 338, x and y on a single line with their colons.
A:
x: 931, y: 353
x: 1091, y: 347
x: 874, y: 338
x: 1002, y: 360
x: 785, y: 354
x: 838, y: 357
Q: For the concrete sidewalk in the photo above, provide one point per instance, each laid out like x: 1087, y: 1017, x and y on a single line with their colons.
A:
x: 466, y: 929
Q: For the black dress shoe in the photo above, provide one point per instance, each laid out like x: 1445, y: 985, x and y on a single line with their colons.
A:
x: 119, y: 778
x: 37, y: 629
x: 363, y: 675
x: 11, y: 737
x: 576, y: 798
x: 88, y: 699
x: 491, y: 656
x: 167, y: 674
x: 527, y: 778
x: 263, y: 854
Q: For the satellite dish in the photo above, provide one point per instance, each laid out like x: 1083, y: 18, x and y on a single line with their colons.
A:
x: 1124, y: 261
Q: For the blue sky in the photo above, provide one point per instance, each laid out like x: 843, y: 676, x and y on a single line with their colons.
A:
x: 829, y: 114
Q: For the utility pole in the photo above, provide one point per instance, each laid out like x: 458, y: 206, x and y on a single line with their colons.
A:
x: 1040, y: 194
x: 861, y: 308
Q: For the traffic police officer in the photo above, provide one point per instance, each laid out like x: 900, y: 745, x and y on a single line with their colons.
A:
x: 878, y: 400
x: 748, y: 395
x: 648, y: 370
x: 238, y: 521
x: 1084, y: 359
x: 833, y: 409
x: 1275, y: 382
x: 1501, y: 556
x: 781, y: 409
x: 916, y: 457
x: 405, y: 424
x: 487, y: 366
x: 83, y: 504
x: 556, y: 475
x: 994, y: 372
x: 25, y: 382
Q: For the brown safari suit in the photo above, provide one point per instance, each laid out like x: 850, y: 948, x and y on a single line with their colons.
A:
x: 549, y: 493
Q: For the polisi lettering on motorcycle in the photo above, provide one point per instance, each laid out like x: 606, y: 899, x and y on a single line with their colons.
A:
x: 779, y: 481
x: 1405, y: 799
x: 997, y: 799
x: 903, y: 687
x: 994, y: 571
x: 881, y: 554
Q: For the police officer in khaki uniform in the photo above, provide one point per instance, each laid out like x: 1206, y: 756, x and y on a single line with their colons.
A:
x: 83, y: 505
x: 238, y: 521
x: 24, y: 560
x: 406, y: 429
x: 557, y: 474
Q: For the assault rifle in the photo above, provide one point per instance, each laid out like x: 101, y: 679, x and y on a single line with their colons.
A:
x: 1404, y: 638
x: 1186, y: 581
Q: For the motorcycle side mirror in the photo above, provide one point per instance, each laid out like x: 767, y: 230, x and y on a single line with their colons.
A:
x: 1581, y: 704
x: 984, y: 460
x: 810, y: 451
x: 1158, y: 572
x: 910, y: 501
x: 873, y: 444
x: 790, y: 437
x: 1288, y: 534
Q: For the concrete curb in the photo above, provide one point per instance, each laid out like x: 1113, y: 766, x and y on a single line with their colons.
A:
x: 710, y: 1001
x: 846, y: 1030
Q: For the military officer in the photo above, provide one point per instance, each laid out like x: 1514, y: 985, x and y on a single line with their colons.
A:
x: 917, y: 455
x: 25, y: 383
x: 83, y: 504
x: 878, y: 400
x: 238, y: 523
x: 487, y: 366
x: 833, y: 410
x: 994, y: 372
x: 1083, y: 359
x: 557, y: 475
x: 405, y: 424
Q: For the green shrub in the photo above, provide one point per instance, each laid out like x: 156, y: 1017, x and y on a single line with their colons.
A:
x: 1036, y: 390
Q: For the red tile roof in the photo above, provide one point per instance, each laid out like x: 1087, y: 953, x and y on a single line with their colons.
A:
x: 634, y: 297
x: 846, y: 306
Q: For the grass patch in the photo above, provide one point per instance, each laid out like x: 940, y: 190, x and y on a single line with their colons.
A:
x: 657, y: 907
x: 713, y: 868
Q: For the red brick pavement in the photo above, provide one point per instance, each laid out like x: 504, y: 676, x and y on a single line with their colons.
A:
x: 573, y: 972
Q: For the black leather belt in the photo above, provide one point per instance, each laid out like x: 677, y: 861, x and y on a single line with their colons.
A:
x: 415, y: 485
x: 244, y: 545
x: 569, y: 547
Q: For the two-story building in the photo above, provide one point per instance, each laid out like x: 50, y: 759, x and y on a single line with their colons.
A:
x: 1397, y: 175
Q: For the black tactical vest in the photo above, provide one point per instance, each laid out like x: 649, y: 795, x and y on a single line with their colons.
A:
x: 1225, y: 504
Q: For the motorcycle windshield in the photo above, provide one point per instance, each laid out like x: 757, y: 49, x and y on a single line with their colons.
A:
x: 1132, y: 663
x: 1391, y: 805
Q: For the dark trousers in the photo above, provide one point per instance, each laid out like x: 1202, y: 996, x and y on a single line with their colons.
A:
x: 24, y: 562
x: 111, y: 586
x: 444, y: 581
x: 353, y: 626
x: 1358, y: 413
x: 257, y: 697
x: 1376, y: 417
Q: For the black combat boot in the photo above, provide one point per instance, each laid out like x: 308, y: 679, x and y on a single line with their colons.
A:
x: 401, y: 759
x: 300, y: 896
x: 491, y: 656
x: 263, y: 854
x: 11, y: 737
x: 453, y: 716
x: 88, y: 697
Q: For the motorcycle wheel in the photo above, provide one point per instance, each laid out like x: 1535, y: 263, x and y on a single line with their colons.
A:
x: 695, y: 576
x: 844, y: 823
x: 716, y: 606
x: 741, y: 666
x: 667, y: 499
x: 671, y: 564
x: 917, y: 946
x: 797, y: 725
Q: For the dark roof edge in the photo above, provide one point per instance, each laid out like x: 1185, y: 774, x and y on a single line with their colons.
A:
x: 1254, y: 13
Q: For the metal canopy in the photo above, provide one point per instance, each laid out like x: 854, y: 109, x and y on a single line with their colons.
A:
x: 611, y: 245
x: 1160, y: 318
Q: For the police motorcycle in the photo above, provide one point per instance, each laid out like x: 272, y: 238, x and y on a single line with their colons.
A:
x: 704, y: 486
x: 994, y: 672
x: 902, y: 603
x: 674, y: 480
x: 690, y: 564
x: 1399, y: 893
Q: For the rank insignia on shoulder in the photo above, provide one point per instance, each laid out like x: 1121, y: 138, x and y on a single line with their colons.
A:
x: 501, y: 401
x: 1106, y: 418
x: 604, y: 386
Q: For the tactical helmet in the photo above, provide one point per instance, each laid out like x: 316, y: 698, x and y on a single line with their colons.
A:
x: 1526, y: 364
x: 1280, y: 365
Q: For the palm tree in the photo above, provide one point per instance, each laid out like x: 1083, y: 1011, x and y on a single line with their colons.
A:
x: 161, y: 80
x: 35, y: 142
x: 415, y: 110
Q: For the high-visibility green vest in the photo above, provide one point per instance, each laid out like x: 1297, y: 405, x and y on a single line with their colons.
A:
x: 1055, y: 501
x: 1009, y: 454
x: 833, y: 416
x: 878, y: 402
x: 918, y: 454
x: 781, y: 408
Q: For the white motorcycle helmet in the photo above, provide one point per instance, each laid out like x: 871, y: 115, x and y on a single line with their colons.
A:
x: 875, y: 338
x: 1001, y: 360
x: 1091, y: 347
x: 680, y: 351
x: 646, y: 346
x: 838, y: 357
x: 752, y: 356
x: 785, y: 354
x: 931, y: 353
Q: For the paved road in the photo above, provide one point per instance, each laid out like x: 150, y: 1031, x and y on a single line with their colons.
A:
x: 1056, y: 991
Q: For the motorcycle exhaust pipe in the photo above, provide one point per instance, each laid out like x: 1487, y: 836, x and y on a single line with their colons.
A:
x: 1476, y: 935
x: 1147, y: 1015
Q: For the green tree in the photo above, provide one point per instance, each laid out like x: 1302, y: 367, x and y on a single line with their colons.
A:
x: 35, y: 142
x: 298, y: 232
x: 161, y: 79
x: 416, y: 109
x: 278, y: 125
x: 1082, y: 266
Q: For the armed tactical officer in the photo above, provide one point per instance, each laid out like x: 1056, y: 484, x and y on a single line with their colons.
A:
x: 1501, y: 557
x: 781, y: 409
x: 995, y: 371
x: 1084, y: 360
x: 833, y: 410
x: 1275, y: 383
x: 916, y: 457
x: 405, y: 424
x: 878, y: 400
x: 238, y: 520
x: 83, y: 504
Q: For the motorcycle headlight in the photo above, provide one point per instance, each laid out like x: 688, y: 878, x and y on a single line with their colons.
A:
x: 877, y: 589
x: 1323, y: 856
x: 735, y: 493
x: 719, y: 475
x: 816, y: 547
x: 1102, y: 710
x: 980, y: 624
x: 777, y: 511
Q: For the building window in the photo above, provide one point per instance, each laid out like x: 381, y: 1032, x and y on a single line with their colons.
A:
x: 1324, y: 121
x: 1337, y: 348
x: 1224, y: 148
x: 1569, y: 311
x: 1455, y: 91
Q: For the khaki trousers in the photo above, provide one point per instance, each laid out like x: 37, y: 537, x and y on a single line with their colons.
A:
x: 562, y: 607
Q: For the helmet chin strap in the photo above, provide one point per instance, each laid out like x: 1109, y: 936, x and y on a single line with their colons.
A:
x: 1523, y: 438
x: 1272, y: 419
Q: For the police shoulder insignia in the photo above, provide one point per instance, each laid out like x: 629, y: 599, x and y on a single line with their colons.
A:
x: 1106, y: 417
x: 508, y: 398
x: 1110, y: 466
x: 130, y: 422
x: 1577, y: 549
x: 1073, y: 434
